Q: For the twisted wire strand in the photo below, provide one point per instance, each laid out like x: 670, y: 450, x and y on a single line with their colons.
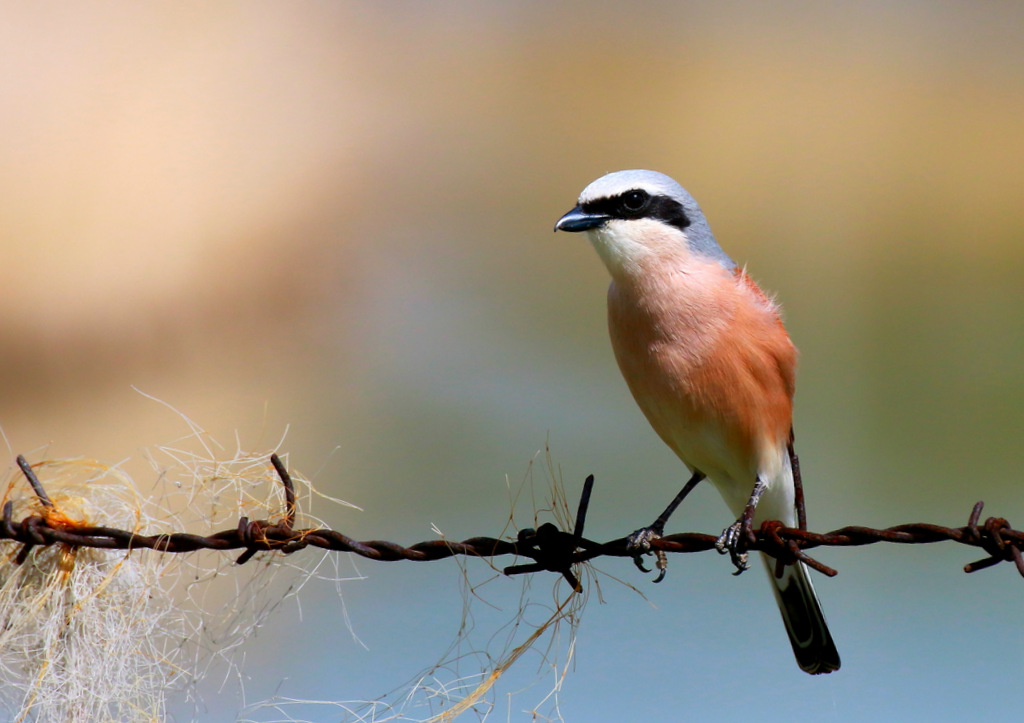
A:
x: 550, y: 549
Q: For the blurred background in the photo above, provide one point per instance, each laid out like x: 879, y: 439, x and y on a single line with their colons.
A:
x: 335, y: 219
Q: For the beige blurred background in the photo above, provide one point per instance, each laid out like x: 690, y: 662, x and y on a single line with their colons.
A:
x: 335, y: 219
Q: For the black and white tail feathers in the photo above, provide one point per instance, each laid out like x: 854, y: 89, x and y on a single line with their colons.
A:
x: 808, y: 634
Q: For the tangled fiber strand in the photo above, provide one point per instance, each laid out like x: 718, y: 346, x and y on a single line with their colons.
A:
x: 92, y: 634
x: 84, y: 632
x: 511, y: 654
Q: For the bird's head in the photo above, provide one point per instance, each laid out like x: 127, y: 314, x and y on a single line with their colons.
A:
x: 638, y: 218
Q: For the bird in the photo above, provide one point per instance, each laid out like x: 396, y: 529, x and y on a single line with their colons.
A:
x: 709, y: 362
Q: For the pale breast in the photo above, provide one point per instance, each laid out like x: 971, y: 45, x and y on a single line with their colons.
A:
x: 708, y: 361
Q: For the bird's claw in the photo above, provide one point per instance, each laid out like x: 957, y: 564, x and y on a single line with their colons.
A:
x: 734, y: 541
x: 639, y: 544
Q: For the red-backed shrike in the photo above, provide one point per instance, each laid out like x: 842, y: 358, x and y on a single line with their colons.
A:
x: 706, y: 356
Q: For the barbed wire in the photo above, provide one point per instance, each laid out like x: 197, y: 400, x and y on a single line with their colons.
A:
x: 550, y: 548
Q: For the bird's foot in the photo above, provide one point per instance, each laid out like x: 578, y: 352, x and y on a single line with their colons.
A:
x: 639, y: 544
x: 734, y: 542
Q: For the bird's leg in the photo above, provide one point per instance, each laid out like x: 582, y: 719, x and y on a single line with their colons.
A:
x: 639, y: 543
x: 798, y: 485
x: 734, y: 537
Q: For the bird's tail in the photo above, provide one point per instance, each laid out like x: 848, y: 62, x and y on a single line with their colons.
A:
x: 805, y: 623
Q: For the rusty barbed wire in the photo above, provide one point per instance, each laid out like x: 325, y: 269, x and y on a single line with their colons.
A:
x: 550, y: 548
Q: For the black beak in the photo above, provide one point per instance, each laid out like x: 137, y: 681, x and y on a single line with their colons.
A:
x: 579, y: 220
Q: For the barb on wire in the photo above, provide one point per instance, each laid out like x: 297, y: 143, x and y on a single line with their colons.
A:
x: 550, y: 549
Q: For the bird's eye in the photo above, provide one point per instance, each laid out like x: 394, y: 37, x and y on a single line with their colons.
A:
x: 634, y: 201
